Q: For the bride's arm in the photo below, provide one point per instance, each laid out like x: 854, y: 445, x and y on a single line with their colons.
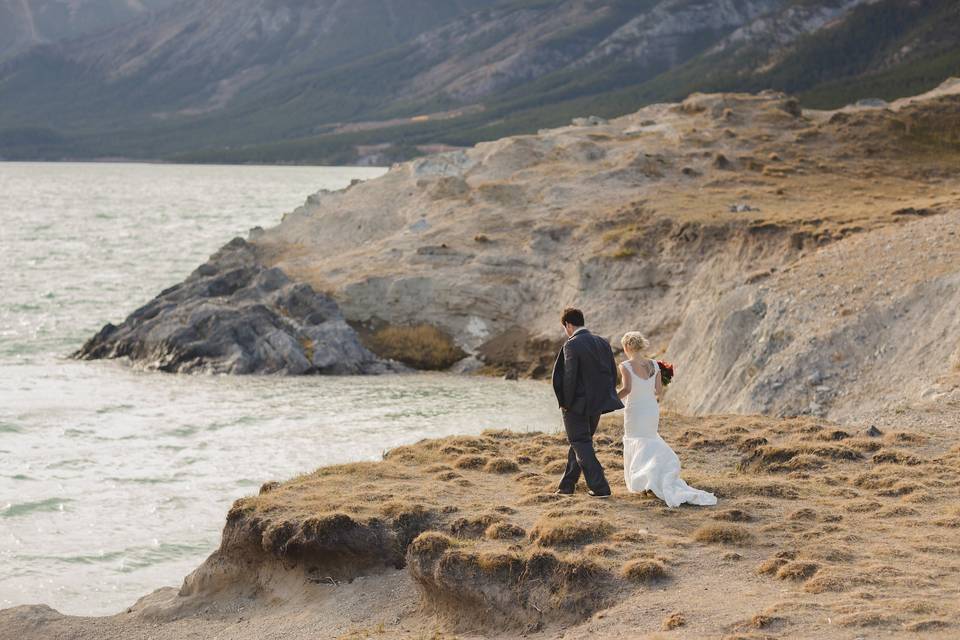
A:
x: 659, y: 384
x: 624, y: 391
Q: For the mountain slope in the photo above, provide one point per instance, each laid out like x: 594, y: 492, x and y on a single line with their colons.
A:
x: 335, y: 81
x: 26, y: 23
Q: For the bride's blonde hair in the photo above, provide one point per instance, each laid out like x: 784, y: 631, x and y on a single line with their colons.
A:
x: 634, y: 341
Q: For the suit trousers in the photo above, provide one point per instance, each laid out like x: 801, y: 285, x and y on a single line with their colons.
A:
x: 581, y: 456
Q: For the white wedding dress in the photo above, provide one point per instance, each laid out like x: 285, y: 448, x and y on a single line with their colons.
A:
x: 649, y: 464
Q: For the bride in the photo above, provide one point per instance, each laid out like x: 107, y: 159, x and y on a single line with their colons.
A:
x: 649, y: 464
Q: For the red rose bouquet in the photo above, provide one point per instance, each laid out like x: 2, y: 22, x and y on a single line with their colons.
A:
x: 666, y: 372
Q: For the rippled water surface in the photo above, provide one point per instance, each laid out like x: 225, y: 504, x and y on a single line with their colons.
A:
x: 115, y: 482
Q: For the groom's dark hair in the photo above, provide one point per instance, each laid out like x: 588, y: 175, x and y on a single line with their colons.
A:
x: 573, y: 316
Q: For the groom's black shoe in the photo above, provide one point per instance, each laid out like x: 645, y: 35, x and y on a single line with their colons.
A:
x: 594, y: 494
x: 563, y: 492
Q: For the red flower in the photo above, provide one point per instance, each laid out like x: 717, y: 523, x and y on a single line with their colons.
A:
x: 666, y: 372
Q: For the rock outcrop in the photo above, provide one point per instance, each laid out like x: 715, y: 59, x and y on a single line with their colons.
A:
x: 234, y: 315
x: 858, y: 326
x: 683, y: 221
x: 730, y: 228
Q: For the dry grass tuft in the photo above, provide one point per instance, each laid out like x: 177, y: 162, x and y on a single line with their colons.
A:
x: 572, y: 510
x: 634, y: 537
x: 267, y: 487
x: 749, y: 444
x: 673, y: 621
x: 927, y: 625
x: 798, y: 571
x: 770, y: 566
x: 832, y: 581
x: 863, y: 445
x: 868, y: 619
x: 470, y: 462
x: 555, y: 467
x: 896, y: 457
x: 645, y: 571
x: 529, y: 475
x: 551, y: 454
x: 904, y: 437
x: 833, y: 553
x: 948, y: 523
x: 504, y: 530
x: 772, y: 459
x: 553, y: 532
x: 918, y: 497
x: 501, y: 465
x: 900, y: 489
x: 506, y: 585
x: 743, y: 486
x: 600, y: 550
x: 474, y: 526
x: 898, y: 511
x: 431, y: 543
x: 493, y: 562
x: 437, y: 468
x: 732, y: 515
x: 805, y: 462
x: 834, y: 434
x: 722, y: 534
x: 402, y: 508
x: 420, y: 346
x: 761, y: 621
x: 867, y: 506
x: 540, y: 498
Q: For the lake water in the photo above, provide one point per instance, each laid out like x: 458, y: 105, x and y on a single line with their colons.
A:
x: 114, y: 482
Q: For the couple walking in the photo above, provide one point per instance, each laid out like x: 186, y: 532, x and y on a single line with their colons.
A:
x: 585, y: 382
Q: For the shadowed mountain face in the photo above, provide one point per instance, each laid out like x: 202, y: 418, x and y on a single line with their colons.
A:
x: 337, y: 81
x: 27, y: 23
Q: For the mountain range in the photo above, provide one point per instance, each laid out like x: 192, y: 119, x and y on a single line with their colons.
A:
x: 337, y: 81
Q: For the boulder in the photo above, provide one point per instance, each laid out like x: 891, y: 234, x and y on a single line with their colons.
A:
x: 589, y: 121
x: 234, y: 315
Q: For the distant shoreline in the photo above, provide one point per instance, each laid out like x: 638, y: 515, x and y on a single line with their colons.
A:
x: 174, y: 162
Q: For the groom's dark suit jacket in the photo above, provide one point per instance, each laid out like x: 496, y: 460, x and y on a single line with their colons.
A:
x: 585, y: 376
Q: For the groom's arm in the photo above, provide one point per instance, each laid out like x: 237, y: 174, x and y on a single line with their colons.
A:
x: 613, y: 362
x: 557, y: 378
x: 570, y: 369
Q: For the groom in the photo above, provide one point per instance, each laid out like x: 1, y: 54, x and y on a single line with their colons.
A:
x: 585, y: 381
